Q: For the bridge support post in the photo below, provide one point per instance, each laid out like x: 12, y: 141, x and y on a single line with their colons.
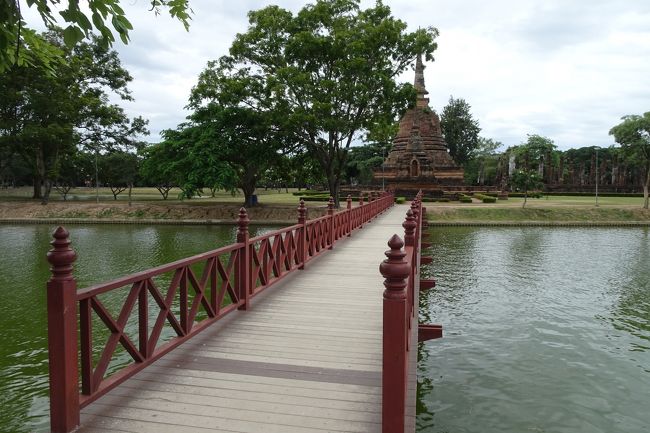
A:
x: 395, y: 270
x: 302, y: 239
x: 62, y: 335
x: 243, y: 269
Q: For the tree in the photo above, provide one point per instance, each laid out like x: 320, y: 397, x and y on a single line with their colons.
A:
x: 334, y: 66
x: 633, y: 134
x: 119, y: 170
x: 239, y: 124
x: 460, y: 130
x: 483, y: 160
x: 45, y: 117
x: 530, y: 159
x: 22, y: 46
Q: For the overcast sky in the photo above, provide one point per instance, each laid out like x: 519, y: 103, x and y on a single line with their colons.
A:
x: 567, y: 69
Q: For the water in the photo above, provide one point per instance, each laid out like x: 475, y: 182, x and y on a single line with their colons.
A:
x: 546, y: 330
x: 104, y: 252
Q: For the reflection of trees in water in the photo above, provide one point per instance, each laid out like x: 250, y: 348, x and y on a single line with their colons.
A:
x: 632, y: 312
x: 453, y: 268
x: 424, y: 389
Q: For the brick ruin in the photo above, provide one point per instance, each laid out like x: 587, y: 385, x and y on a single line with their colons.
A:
x: 420, y: 158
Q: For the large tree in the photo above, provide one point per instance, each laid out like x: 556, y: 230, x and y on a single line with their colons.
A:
x: 334, y: 65
x: 20, y: 45
x: 633, y: 134
x: 240, y: 124
x: 460, y: 130
x: 46, y: 117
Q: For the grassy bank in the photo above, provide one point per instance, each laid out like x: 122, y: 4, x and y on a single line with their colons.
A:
x: 536, y: 214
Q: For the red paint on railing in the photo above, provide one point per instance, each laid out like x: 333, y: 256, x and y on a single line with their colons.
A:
x: 240, y: 271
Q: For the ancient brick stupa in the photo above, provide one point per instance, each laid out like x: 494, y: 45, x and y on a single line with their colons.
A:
x: 419, y: 158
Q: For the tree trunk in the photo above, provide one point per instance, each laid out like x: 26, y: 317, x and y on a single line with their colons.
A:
x: 48, y: 189
x: 333, y: 185
x: 130, y: 188
x: 525, y: 198
x: 248, y: 187
x: 645, y: 188
x: 38, y: 192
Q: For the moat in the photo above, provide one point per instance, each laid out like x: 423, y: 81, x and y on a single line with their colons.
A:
x: 545, y: 329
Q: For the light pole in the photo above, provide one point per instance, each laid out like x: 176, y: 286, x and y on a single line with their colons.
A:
x: 597, y: 176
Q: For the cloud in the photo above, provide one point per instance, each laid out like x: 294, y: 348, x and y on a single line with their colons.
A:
x: 564, y: 69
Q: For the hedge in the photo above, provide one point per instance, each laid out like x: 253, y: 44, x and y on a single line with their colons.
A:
x: 400, y: 200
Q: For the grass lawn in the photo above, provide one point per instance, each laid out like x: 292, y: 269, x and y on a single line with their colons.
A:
x: 552, y: 208
x: 152, y: 194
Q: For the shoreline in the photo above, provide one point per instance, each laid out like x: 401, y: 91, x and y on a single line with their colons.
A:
x: 186, y: 222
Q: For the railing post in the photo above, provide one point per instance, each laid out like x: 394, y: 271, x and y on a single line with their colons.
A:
x: 243, y: 265
x: 362, y: 211
x: 330, y: 214
x: 409, y: 229
x: 395, y: 270
x: 302, y: 241
x: 349, y: 210
x: 62, y: 335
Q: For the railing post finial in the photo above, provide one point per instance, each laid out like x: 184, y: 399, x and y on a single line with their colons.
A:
x: 349, y: 201
x: 395, y: 269
x: 409, y: 225
x: 330, y: 206
x: 302, y: 212
x: 61, y: 256
x: 242, y: 224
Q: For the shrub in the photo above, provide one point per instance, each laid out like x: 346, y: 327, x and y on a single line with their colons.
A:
x: 489, y: 199
x: 465, y: 199
x: 400, y: 200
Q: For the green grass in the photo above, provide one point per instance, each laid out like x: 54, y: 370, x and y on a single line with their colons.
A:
x: 152, y: 195
x: 517, y: 214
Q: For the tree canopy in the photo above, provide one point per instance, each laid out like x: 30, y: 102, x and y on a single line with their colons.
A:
x: 460, y: 130
x: 45, y: 118
x: 333, y: 66
x: 633, y: 134
x: 20, y: 45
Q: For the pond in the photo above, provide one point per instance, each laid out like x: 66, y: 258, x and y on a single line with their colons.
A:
x: 546, y: 330
x: 104, y: 252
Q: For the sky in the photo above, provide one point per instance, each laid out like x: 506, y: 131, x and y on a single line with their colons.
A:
x: 567, y: 70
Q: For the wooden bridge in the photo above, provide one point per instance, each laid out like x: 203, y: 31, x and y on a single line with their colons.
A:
x: 326, y: 348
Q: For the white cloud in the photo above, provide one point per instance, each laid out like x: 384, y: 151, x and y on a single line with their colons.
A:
x: 564, y: 69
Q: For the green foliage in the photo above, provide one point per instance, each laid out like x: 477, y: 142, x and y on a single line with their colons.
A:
x: 485, y: 198
x: 465, y: 199
x: 45, y: 118
x: 334, y: 67
x: 460, y: 130
x: 400, y: 200
x: 20, y: 46
x: 633, y: 134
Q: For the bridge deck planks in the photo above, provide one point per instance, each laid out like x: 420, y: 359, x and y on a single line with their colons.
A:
x: 305, y: 358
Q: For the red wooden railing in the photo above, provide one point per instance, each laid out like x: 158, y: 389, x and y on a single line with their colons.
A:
x: 401, y: 270
x: 194, y: 300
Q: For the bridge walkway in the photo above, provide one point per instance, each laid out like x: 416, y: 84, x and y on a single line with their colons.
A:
x: 305, y: 358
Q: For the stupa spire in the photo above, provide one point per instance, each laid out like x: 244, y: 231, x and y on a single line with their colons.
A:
x: 422, y: 100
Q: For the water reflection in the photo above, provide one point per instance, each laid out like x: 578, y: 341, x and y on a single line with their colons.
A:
x: 549, y: 334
